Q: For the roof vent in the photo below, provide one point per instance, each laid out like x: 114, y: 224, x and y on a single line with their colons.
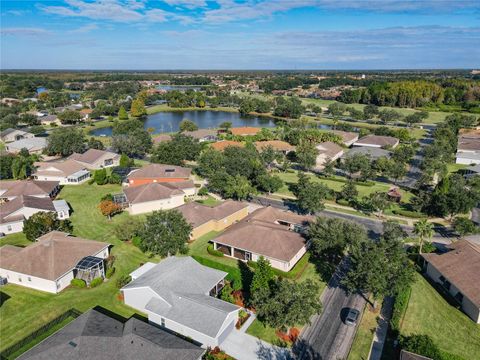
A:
x: 72, y: 344
x: 169, y: 170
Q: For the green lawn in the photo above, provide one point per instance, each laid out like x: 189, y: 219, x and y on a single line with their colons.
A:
x: 262, y: 331
x: 292, y: 178
x: 209, y: 201
x: 428, y: 313
x: 451, y: 168
x: 364, y: 336
x: 25, y: 310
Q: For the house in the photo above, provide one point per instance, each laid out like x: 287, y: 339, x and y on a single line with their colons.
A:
x: 94, y: 159
x: 275, y: 234
x: 9, y: 190
x: 68, y: 172
x: 277, y: 145
x: 468, y: 147
x: 394, y: 194
x: 245, y: 131
x: 348, y: 137
x: 327, y: 151
x: 14, y: 212
x: 34, y: 145
x: 50, y: 263
x: 222, y: 145
x: 10, y: 135
x: 205, y: 219
x: 179, y: 294
x: 471, y: 171
x: 156, y: 196
x: 373, y: 153
x: 458, y: 272
x: 95, y: 335
x: 49, y: 120
x: 203, y: 135
x: 377, y: 141
x: 86, y: 113
x: 158, y: 173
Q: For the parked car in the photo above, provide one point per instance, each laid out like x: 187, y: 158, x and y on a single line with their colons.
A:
x: 352, y: 317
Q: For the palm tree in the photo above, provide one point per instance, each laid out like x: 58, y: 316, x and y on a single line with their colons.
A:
x: 424, y: 230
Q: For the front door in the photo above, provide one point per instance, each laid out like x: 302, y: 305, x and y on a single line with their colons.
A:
x: 248, y: 256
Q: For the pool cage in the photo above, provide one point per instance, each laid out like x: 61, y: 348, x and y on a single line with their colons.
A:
x: 89, y: 268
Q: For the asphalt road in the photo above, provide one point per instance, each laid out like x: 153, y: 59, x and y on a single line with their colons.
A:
x: 328, y: 337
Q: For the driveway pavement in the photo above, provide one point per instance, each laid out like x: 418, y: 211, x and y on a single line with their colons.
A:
x: 247, y: 347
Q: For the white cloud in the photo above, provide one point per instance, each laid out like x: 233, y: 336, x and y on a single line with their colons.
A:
x: 84, y: 29
x: 25, y: 31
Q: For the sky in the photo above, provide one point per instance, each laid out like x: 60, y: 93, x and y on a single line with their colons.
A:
x: 239, y: 34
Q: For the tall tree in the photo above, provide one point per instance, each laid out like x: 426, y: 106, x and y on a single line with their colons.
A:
x: 166, y: 233
x: 260, y: 285
x: 138, y: 108
x: 65, y: 141
x: 122, y: 113
x: 424, y: 230
x: 310, y: 196
x: 43, y: 222
x: 187, y: 125
x: 306, y: 154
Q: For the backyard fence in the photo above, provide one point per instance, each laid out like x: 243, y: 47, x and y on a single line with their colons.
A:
x: 12, y: 351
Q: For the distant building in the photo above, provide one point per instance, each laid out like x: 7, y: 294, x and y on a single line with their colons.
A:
x: 68, y: 172
x: 10, y: 135
x: 34, y: 145
x: 468, y: 147
x: 245, y: 131
x: 327, y: 151
x: 372, y: 152
x: 203, y: 135
x: 277, y: 145
x: 94, y: 335
x: 10, y: 189
x: 158, y: 173
x: 458, y: 272
x: 377, y: 141
x: 222, y: 145
x: 94, y: 159
x: 348, y: 138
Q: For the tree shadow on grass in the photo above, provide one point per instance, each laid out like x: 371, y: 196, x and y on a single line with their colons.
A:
x: 3, y: 297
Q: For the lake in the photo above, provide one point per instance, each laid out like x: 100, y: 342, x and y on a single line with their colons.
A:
x: 164, y: 122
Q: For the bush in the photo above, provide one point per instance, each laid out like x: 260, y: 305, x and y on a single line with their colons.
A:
x: 137, y: 241
x: 399, y: 308
x: 123, y: 280
x: 110, y: 272
x: 96, y: 282
x: 78, y: 283
x: 213, y: 252
x: 343, y: 202
x: 114, y: 178
x: 409, y: 214
x: 203, y: 191
x: 421, y: 345
x: 107, y: 197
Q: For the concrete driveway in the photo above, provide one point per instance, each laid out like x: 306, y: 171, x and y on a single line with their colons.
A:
x: 247, y: 347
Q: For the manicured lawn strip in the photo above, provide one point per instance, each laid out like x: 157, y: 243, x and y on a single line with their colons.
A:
x: 26, y: 310
x: 262, y: 331
x: 364, y: 336
x: 17, y: 239
x: 209, y: 201
x: 429, y: 313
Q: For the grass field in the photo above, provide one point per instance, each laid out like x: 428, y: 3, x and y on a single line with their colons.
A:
x: 428, y: 313
x: 364, y: 336
x: 209, y: 201
x: 262, y: 331
x: 25, y: 310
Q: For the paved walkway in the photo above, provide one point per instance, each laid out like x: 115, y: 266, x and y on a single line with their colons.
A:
x: 381, y: 331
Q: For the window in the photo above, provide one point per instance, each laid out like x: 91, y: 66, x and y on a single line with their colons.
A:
x: 459, y: 297
x: 447, y: 284
x: 442, y: 279
x: 19, y: 279
x: 58, y: 285
x: 9, y: 227
x: 162, y: 321
x: 29, y: 278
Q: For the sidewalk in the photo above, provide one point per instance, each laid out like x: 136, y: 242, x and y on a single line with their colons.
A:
x: 381, y: 331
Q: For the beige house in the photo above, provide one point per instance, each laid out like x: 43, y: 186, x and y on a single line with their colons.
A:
x: 348, y: 137
x: 49, y: 264
x: 156, y: 196
x: 94, y: 159
x: 205, y: 219
x: 458, y: 271
x: 10, y: 135
x: 68, y: 172
x: 327, y: 151
x: 275, y: 234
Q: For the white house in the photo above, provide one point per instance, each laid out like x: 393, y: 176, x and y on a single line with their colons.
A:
x: 94, y: 159
x: 327, y: 151
x: 9, y: 135
x: 179, y: 294
x: 468, y: 147
x: 14, y: 212
x: 50, y: 263
x: 68, y: 172
x: 34, y: 145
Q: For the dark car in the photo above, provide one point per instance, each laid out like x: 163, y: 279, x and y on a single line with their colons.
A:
x: 352, y: 317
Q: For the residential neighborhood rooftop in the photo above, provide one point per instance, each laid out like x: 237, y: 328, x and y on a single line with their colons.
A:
x: 377, y: 140
x: 91, y: 155
x: 160, y: 171
x: 58, y: 168
x: 277, y: 145
x: 197, y: 214
x: 151, y: 192
x: 222, y: 145
x: 244, y: 131
x: 13, y: 188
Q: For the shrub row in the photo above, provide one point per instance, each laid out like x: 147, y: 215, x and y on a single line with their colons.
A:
x: 409, y: 214
x: 213, y: 252
x: 400, y: 307
x: 360, y: 183
x: 96, y: 282
x: 79, y: 283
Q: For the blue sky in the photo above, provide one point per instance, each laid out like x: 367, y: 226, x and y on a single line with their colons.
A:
x: 240, y: 34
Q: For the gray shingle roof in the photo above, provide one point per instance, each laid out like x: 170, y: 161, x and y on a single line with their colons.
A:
x: 374, y: 153
x: 184, y: 285
x: 94, y: 335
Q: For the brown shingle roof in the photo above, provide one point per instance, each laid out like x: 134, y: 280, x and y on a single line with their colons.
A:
x: 460, y: 266
x: 27, y: 187
x: 201, y: 133
x: 329, y: 149
x: 277, y: 145
x: 244, y: 131
x: 161, y: 138
x: 53, y: 255
x: 407, y: 355
x: 153, y: 171
x: 44, y: 203
x: 65, y: 168
x: 150, y: 192
x: 91, y: 155
x: 378, y: 140
x: 261, y: 233
x: 468, y: 143
x: 222, y: 145
x: 197, y: 214
x: 346, y: 136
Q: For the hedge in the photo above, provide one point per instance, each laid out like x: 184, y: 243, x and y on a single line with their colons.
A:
x: 409, y: 214
x: 213, y: 252
x: 79, y: 283
x: 96, y: 282
x: 110, y: 272
x: 400, y: 307
x: 123, y: 280
x: 343, y: 202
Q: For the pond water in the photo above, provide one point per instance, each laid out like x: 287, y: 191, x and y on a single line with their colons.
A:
x: 178, y: 87
x: 169, y: 121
